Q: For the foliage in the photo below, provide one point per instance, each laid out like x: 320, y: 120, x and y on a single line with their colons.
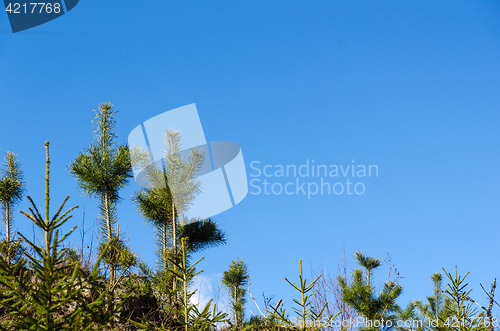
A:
x: 171, y: 190
x: 12, y: 189
x: 379, y: 310
x: 45, y: 291
x: 235, y: 279
x: 49, y: 287
x: 11, y: 250
x: 103, y: 170
x: 117, y: 255
x: 202, y: 235
x: 155, y: 205
x: 307, y: 318
x: 436, y: 311
x: 463, y: 315
x: 328, y: 291
x: 181, y: 173
x: 193, y: 318
x: 267, y: 323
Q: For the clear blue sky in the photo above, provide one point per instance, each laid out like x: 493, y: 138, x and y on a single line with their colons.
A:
x: 409, y: 86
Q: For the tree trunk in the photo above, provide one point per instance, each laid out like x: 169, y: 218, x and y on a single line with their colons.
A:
x: 7, y: 223
x: 164, y: 239
x: 47, y: 197
x: 112, y: 270
x: 235, y: 303
x: 174, y: 230
x: 186, y: 315
x: 7, y: 230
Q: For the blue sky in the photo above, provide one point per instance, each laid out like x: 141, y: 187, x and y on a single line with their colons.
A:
x: 411, y: 87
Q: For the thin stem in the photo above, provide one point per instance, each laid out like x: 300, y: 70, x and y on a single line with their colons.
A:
x: 235, y: 305
x: 174, y: 230
x: 185, y: 278
x: 174, y: 227
x: 7, y: 221
x: 108, y: 216
x: 7, y: 225
x: 47, y: 197
x: 112, y: 268
x: 302, y: 285
x: 164, y: 239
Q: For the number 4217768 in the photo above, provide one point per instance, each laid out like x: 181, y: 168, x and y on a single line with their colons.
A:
x: 34, y: 8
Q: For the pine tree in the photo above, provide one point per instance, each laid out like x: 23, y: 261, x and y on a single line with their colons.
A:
x: 12, y: 188
x: 309, y: 316
x: 181, y: 177
x: 171, y: 190
x: 102, y: 171
x: 45, y: 290
x: 193, y: 319
x: 464, y: 316
x: 235, y: 280
x: 155, y: 206
x: 379, y: 310
x: 437, y: 309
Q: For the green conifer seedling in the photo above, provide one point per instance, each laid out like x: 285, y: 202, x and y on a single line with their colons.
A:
x: 45, y: 290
